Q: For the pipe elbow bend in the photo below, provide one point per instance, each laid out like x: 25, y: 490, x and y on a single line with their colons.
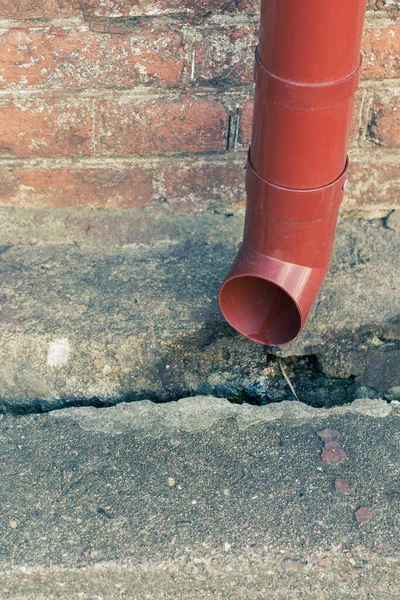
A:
x: 268, y: 300
x: 285, y: 256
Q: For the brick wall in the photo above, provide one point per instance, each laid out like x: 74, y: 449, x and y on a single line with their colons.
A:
x: 126, y: 103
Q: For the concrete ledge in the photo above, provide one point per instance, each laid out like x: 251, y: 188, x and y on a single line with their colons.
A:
x: 99, y: 307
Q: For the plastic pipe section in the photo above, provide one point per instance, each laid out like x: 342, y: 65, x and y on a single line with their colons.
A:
x: 306, y: 72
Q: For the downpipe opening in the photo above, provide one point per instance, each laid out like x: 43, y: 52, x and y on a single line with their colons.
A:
x: 260, y: 310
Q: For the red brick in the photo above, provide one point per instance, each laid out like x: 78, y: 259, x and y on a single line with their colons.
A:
x: 246, y: 122
x: 384, y: 119
x: 391, y: 6
x: 126, y: 8
x: 381, y: 50
x: 45, y: 127
x: 34, y: 9
x: 199, y: 187
x: 374, y: 182
x: 190, y: 185
x: 83, y: 59
x: 161, y: 126
x: 226, y: 55
x: 247, y: 119
x: 251, y: 6
x: 104, y: 188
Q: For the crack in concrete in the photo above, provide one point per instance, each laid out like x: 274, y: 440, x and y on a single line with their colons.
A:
x: 4, y: 249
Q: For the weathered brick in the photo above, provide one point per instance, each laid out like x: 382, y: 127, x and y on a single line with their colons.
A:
x: 190, y: 185
x: 226, y: 55
x: 251, y: 6
x: 384, y: 118
x: 384, y: 5
x: 104, y: 188
x: 161, y: 126
x: 374, y: 181
x: 246, y: 121
x: 45, y: 127
x: 381, y: 50
x: 199, y: 187
x: 82, y: 59
x: 132, y: 8
x: 34, y: 9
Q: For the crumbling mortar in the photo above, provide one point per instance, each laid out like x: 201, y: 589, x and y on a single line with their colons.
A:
x: 391, y: 157
x: 246, y: 92
x: 373, y: 127
x: 207, y: 21
x: 362, y: 118
x: 119, y: 161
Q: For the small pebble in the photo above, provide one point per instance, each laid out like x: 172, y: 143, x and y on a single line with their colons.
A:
x: 293, y: 563
x: 363, y: 514
x: 325, y: 561
x: 329, y: 435
x: 342, y: 486
x: 332, y: 452
x: 171, y: 481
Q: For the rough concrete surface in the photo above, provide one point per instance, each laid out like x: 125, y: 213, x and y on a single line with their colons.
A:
x: 200, y: 499
x: 98, y: 307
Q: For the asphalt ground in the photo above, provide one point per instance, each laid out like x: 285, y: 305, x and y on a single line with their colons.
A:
x: 201, y: 499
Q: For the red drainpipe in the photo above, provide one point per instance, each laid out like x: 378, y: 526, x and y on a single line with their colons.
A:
x: 306, y: 72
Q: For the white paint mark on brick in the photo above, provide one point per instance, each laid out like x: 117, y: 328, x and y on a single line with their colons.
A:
x: 193, y: 66
x: 58, y: 353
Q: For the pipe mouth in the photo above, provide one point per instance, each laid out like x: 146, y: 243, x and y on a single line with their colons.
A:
x: 260, y: 310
